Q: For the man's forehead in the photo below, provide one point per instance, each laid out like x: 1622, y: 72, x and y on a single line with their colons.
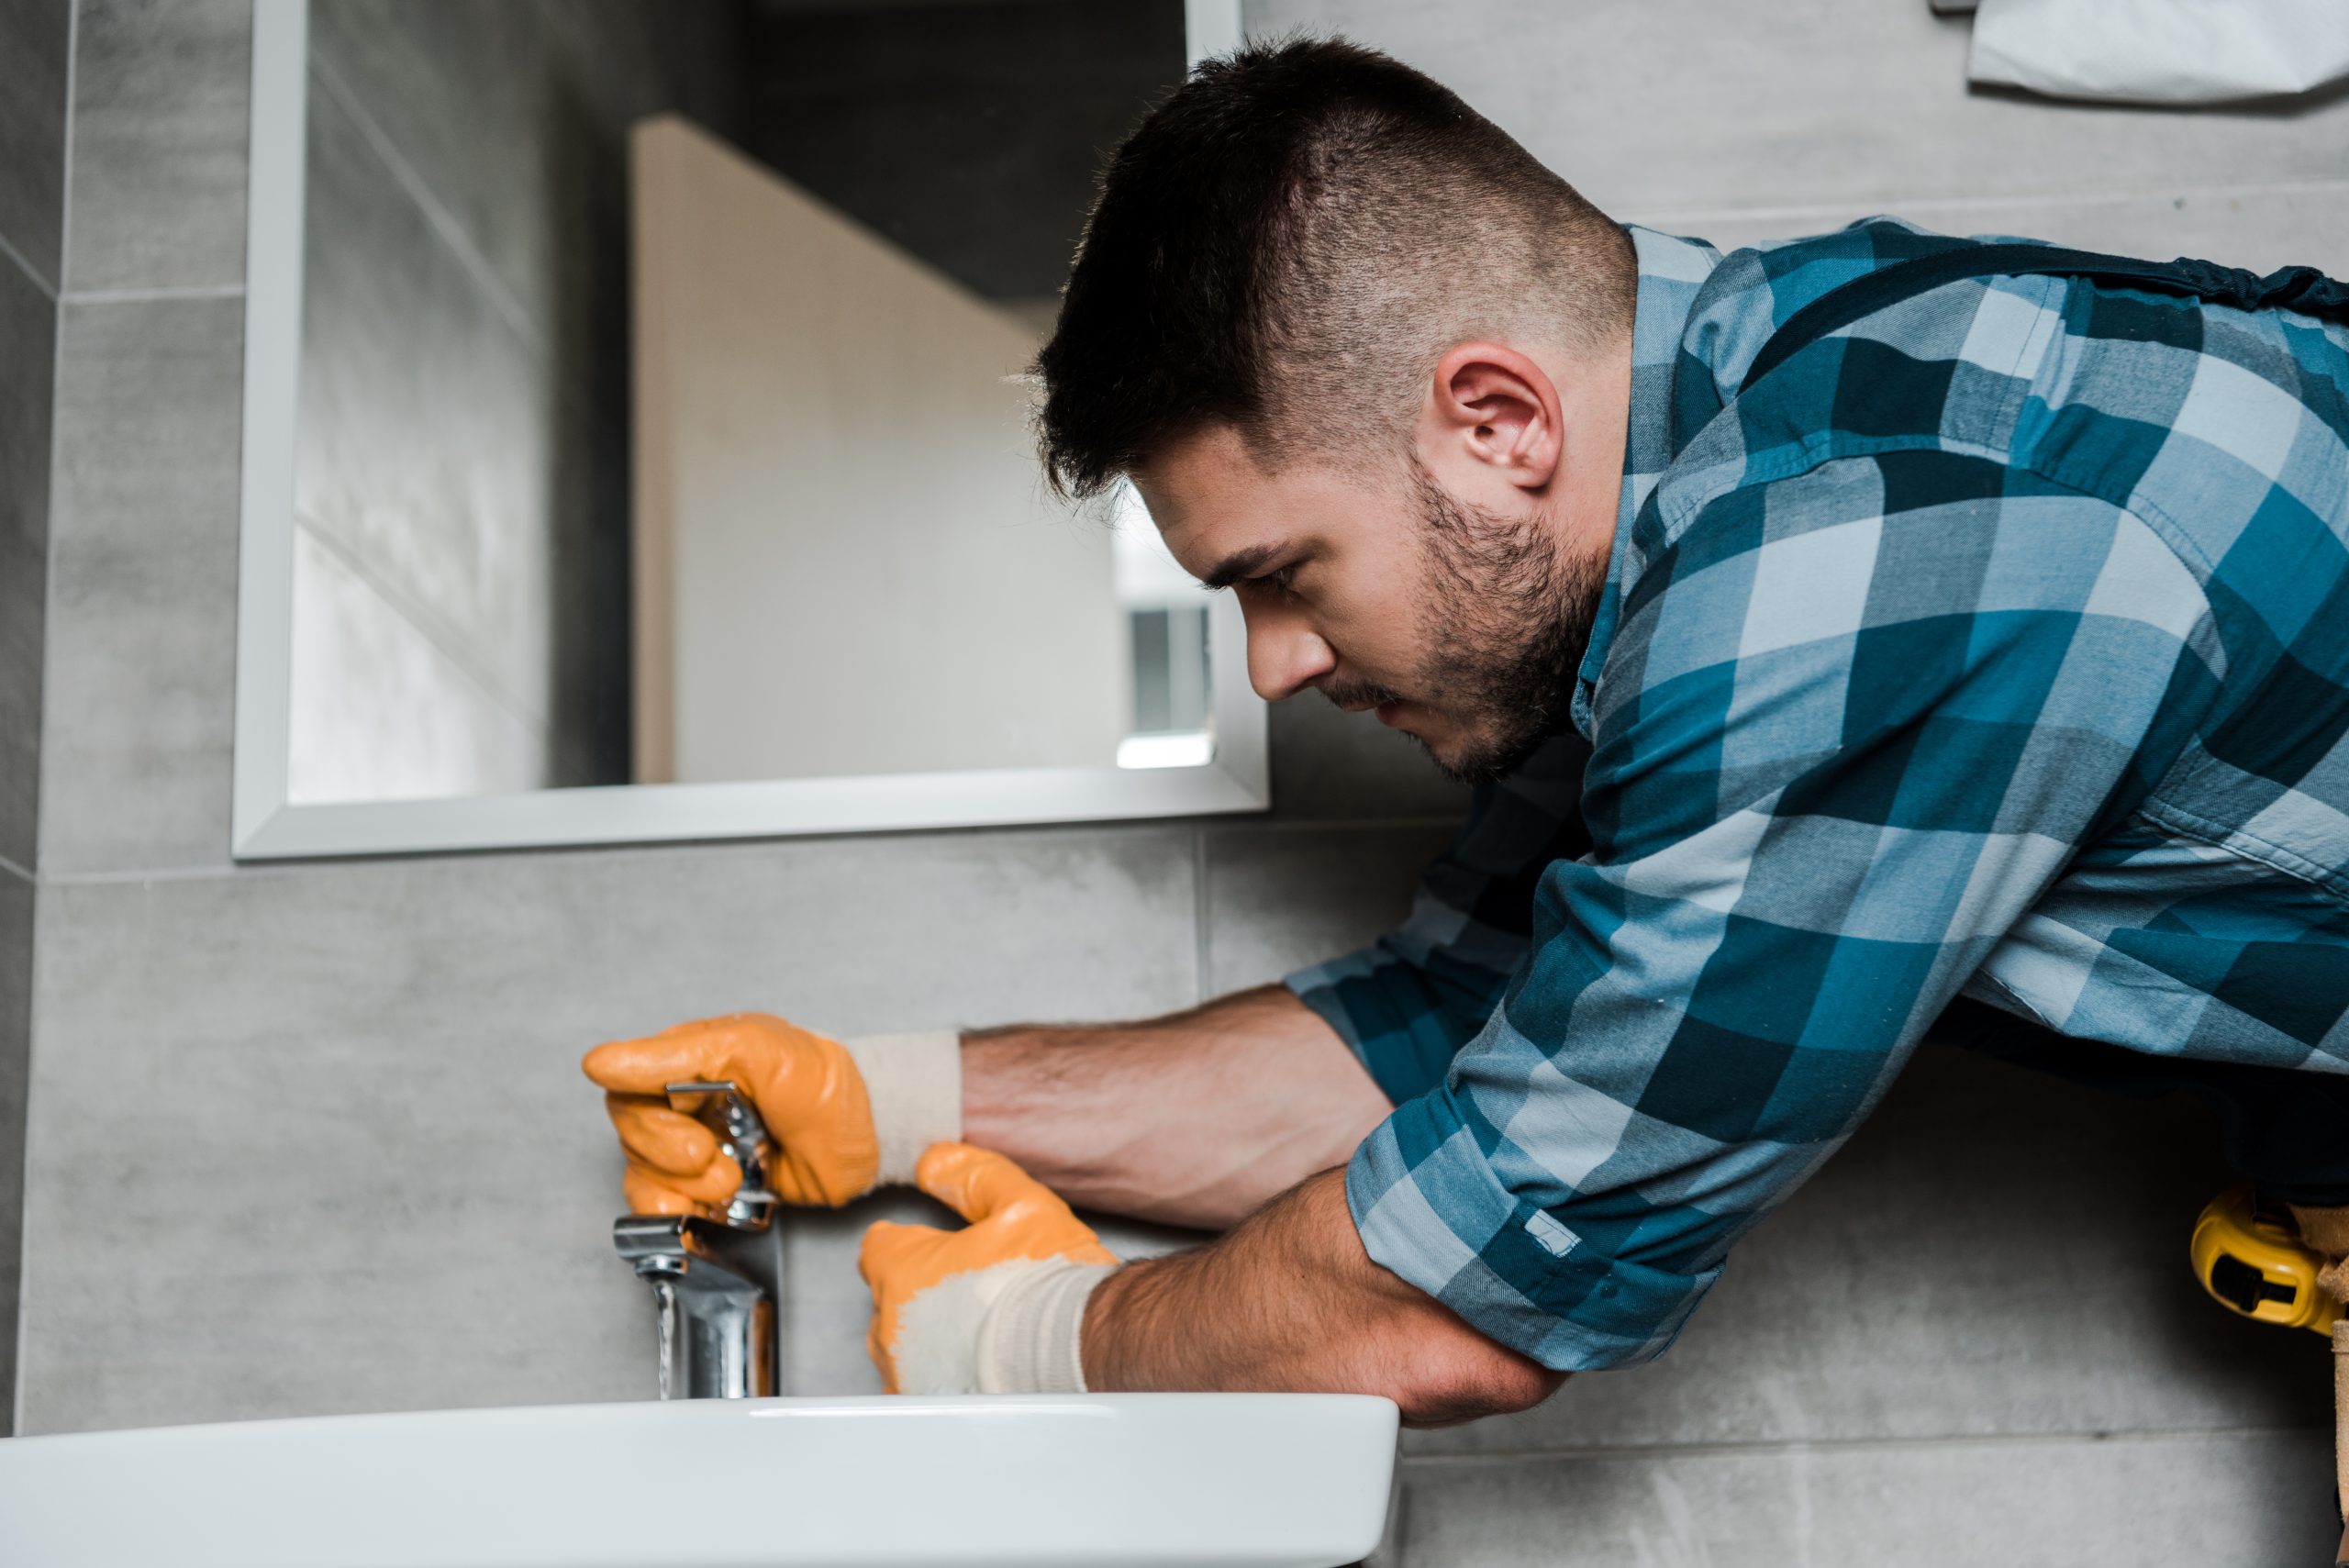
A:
x: 1207, y: 470
x: 1217, y: 545
x: 1211, y: 496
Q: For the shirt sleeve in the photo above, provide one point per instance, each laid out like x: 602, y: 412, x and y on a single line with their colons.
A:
x: 1853, y: 725
x: 1409, y: 1001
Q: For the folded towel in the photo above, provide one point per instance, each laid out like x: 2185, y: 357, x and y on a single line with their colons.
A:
x: 2161, y: 52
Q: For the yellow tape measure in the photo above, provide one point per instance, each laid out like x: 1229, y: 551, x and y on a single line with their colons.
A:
x: 2254, y: 1261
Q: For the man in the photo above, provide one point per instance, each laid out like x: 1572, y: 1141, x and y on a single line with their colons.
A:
x: 1989, y: 656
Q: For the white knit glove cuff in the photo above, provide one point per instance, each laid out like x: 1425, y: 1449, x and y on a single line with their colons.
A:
x: 1030, y: 1340
x: 915, y: 1082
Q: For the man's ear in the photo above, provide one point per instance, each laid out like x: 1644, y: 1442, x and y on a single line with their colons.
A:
x: 1494, y: 405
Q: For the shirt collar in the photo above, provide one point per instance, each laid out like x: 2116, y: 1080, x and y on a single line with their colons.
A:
x: 1671, y: 272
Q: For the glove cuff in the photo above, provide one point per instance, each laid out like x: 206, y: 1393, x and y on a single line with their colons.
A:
x: 915, y: 1085
x: 1029, y: 1342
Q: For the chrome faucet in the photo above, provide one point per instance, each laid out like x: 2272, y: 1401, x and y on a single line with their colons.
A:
x: 715, y: 1281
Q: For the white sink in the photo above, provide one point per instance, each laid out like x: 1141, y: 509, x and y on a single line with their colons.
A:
x: 1231, y: 1480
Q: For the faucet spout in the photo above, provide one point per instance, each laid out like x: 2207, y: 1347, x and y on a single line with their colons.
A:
x: 714, y: 1281
x: 717, y: 1320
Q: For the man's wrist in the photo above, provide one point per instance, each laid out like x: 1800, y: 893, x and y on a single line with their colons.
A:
x: 1031, y: 1340
x: 914, y: 1084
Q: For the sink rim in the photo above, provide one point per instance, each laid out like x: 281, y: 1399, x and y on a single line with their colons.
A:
x: 1290, y: 1481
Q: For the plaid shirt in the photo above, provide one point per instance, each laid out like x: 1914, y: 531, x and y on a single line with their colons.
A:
x: 1996, y: 646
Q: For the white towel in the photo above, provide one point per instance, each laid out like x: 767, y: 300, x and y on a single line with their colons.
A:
x: 2161, y: 52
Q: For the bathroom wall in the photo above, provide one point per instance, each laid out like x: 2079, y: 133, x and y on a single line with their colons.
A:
x: 308, y: 1138
x: 460, y: 563
x: 34, y: 43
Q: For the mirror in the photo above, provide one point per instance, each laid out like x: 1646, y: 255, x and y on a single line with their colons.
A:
x: 637, y: 434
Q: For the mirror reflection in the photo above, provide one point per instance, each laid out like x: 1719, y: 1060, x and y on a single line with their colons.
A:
x: 662, y: 411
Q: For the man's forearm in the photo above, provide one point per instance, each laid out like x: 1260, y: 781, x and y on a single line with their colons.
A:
x: 1196, y: 1118
x: 1290, y: 1302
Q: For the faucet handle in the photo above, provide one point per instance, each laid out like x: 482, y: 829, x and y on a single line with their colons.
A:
x: 746, y: 1141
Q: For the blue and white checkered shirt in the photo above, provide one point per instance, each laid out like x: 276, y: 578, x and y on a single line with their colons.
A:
x: 1997, y: 645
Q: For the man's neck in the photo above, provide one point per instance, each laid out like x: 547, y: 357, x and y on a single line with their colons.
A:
x: 1589, y: 495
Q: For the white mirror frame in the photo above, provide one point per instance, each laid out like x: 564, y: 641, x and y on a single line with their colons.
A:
x: 267, y: 826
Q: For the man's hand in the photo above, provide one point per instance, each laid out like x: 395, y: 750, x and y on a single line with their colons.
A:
x: 808, y: 1091
x: 992, y: 1308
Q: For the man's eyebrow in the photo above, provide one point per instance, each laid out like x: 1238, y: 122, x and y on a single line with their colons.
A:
x: 1240, y: 563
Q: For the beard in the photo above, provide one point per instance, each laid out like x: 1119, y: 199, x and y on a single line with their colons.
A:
x: 1509, y: 620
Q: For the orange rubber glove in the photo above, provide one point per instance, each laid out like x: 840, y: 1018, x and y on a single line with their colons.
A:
x: 997, y: 1308
x: 838, y: 1113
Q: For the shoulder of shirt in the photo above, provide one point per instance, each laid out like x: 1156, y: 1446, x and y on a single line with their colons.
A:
x: 1750, y: 293
x: 1756, y: 288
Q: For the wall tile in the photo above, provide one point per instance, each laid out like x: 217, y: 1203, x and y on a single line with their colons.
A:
x: 1996, y: 1251
x: 367, y: 1174
x: 162, y: 89
x: 1331, y: 764
x: 33, y: 44
x: 143, y: 589
x: 1801, y: 102
x: 1280, y: 898
x: 28, y: 361
x: 2224, y: 1500
x: 16, y: 1052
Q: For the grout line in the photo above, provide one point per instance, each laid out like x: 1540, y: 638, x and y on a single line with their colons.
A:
x: 164, y: 874
x: 1464, y: 1461
x: 26, y: 266
x: 167, y: 291
x: 634, y: 849
x: 48, y: 626
x: 10, y: 866
x: 1198, y: 829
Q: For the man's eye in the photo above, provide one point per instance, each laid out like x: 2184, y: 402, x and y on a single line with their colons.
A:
x: 1278, y: 582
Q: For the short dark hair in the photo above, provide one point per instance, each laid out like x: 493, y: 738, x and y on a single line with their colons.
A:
x: 1287, y: 235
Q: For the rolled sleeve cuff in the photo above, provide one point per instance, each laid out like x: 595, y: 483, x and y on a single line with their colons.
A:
x: 1431, y: 1209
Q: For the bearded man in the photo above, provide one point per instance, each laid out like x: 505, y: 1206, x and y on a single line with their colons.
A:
x: 1851, y: 637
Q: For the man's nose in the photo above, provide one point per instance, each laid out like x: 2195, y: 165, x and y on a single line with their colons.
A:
x: 1284, y: 654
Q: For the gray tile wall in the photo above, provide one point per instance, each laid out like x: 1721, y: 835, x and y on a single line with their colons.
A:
x: 1973, y: 1339
x: 36, y: 45
x: 158, y: 184
x: 362, y: 1172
